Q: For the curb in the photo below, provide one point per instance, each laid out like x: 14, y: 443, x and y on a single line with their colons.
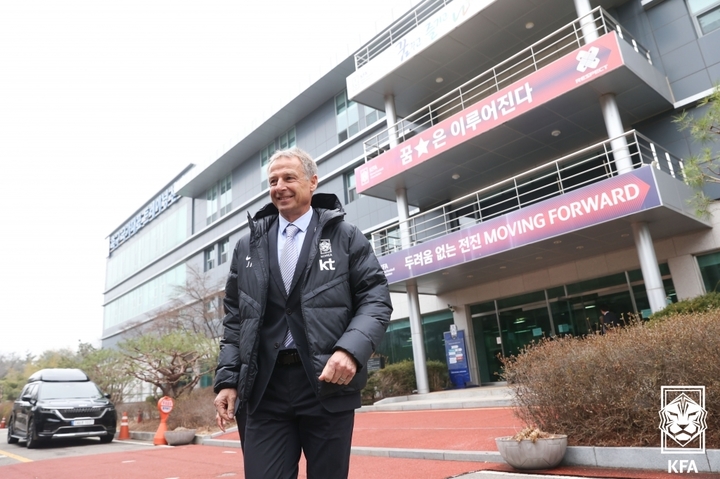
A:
x: 647, y: 458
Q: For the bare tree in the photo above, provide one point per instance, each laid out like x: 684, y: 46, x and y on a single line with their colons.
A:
x: 174, y: 362
x: 181, y: 342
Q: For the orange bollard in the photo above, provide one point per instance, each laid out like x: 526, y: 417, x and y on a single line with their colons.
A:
x: 2, y: 423
x: 165, y: 406
x: 124, y: 429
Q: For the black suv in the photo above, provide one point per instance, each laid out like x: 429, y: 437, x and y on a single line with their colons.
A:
x: 61, y: 403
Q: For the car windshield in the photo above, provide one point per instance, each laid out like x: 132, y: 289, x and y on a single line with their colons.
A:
x: 69, y: 390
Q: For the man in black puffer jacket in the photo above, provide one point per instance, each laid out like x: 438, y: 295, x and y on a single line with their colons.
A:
x: 306, y: 305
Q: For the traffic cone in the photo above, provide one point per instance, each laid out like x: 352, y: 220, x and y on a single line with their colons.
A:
x: 2, y: 423
x: 124, y: 430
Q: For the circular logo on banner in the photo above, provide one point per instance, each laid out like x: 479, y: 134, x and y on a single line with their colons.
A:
x: 166, y: 404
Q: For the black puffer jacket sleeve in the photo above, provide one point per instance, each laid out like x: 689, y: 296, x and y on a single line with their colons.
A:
x: 371, y: 304
x: 228, y: 369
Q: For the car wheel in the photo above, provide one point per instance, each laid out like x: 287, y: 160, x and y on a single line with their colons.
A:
x: 32, y: 440
x: 106, y: 439
x: 10, y: 432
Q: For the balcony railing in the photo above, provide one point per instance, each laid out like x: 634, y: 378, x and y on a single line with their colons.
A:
x: 589, y: 165
x: 542, y: 53
x: 398, y: 30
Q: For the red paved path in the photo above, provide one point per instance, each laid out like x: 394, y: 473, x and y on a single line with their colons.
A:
x: 466, y: 429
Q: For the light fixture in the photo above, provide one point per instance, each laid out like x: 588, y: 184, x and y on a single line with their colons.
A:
x: 579, y: 247
x: 445, y: 273
x: 469, y: 276
x: 538, y: 257
x: 439, y: 80
x: 451, y: 308
x: 503, y: 267
x: 519, y: 320
x: 455, y: 176
x: 625, y: 235
x: 556, y: 133
x: 557, y: 241
x: 529, y: 25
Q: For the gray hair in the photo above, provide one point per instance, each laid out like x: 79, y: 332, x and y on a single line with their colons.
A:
x: 307, y: 162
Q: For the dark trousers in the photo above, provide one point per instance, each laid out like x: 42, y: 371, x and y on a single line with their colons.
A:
x: 290, y: 419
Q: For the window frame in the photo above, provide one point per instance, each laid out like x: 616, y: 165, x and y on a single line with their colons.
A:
x: 695, y: 15
x: 223, y: 251
x: 209, y: 259
x: 350, y: 187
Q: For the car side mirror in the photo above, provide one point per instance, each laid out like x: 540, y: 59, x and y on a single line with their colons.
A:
x: 26, y: 398
x: 106, y: 395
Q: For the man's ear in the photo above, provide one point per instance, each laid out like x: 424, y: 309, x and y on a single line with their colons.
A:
x: 313, y: 183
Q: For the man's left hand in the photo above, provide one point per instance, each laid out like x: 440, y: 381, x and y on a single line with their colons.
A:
x: 340, y: 368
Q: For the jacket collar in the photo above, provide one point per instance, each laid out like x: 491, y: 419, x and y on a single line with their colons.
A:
x: 326, y: 204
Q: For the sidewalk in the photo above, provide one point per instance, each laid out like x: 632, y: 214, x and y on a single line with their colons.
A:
x: 415, y: 437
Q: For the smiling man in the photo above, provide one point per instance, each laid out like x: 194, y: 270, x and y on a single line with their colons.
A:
x: 306, y: 304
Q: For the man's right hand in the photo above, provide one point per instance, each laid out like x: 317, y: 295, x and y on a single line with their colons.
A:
x: 225, y: 406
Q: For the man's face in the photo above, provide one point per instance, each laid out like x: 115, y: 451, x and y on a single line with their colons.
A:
x: 290, y: 190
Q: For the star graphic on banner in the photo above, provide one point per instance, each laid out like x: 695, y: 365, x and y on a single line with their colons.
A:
x: 421, y: 147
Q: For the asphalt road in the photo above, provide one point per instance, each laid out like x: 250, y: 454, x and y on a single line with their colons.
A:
x: 18, y: 453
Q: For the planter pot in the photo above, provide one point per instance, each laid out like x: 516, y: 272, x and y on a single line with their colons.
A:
x: 544, y: 453
x: 178, y: 438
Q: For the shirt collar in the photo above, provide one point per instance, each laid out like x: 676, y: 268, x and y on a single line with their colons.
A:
x: 302, y: 223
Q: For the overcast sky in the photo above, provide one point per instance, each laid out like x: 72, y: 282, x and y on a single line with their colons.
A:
x: 103, y: 103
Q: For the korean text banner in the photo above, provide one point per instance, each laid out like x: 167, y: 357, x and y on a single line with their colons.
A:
x: 591, y: 205
x: 572, y: 70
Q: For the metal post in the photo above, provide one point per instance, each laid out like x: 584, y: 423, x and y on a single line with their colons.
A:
x: 649, y: 266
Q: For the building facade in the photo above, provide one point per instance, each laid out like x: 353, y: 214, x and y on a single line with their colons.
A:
x: 514, y: 163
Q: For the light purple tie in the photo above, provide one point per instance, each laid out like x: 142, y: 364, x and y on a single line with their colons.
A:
x: 287, y: 268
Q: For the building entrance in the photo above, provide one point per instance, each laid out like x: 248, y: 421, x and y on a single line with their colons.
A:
x: 504, y: 326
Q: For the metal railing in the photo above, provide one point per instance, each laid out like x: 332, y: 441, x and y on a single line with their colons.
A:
x: 398, y: 30
x: 581, y: 168
x: 541, y: 53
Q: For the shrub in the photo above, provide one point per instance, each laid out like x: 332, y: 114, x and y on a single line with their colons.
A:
x: 699, y: 304
x: 398, y: 379
x: 605, y: 390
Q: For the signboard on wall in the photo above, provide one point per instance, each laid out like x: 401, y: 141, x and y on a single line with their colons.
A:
x: 147, y: 214
x: 591, y: 205
x: 550, y: 82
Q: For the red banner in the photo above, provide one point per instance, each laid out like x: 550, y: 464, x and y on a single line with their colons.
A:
x: 574, y: 69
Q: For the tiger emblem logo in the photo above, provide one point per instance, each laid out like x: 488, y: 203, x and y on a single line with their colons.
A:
x: 683, y: 420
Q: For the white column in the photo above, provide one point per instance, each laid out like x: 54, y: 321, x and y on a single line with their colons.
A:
x: 614, y: 127
x: 416, y: 327
x: 649, y: 266
x: 391, y: 119
x: 587, y: 25
x: 418, y: 340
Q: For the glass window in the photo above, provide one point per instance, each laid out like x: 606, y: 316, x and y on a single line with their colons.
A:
x: 225, y: 195
x: 282, y: 142
x: 218, y: 205
x: 209, y: 259
x: 350, y: 191
x: 706, y: 14
x: 223, y: 251
x: 710, y: 271
x: 211, y: 198
x: 145, y: 297
x: 348, y: 119
x: 154, y: 240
